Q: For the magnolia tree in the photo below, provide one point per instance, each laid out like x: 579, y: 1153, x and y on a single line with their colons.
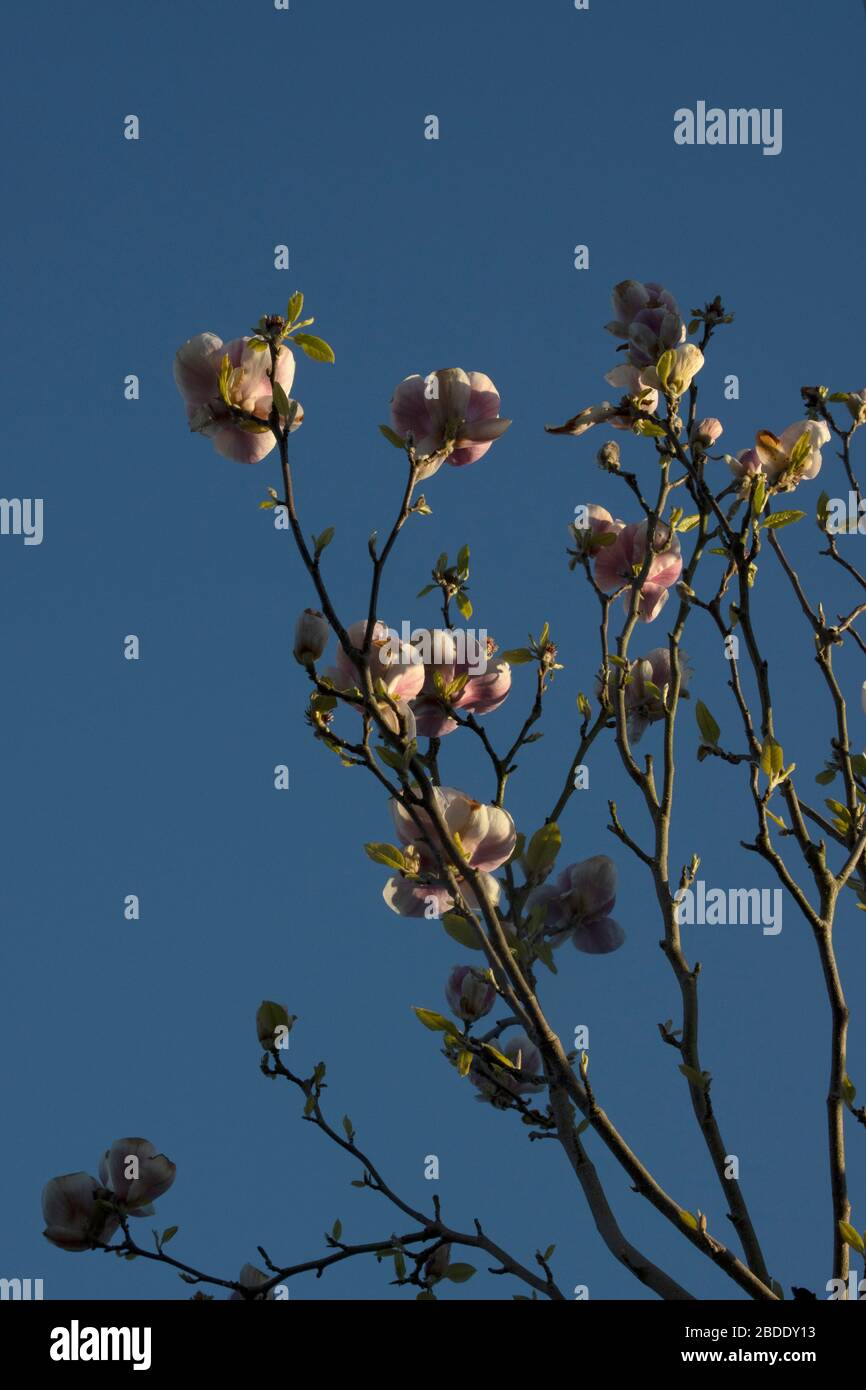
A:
x: 392, y: 702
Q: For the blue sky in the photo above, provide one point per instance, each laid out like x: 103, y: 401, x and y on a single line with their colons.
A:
x: 155, y: 777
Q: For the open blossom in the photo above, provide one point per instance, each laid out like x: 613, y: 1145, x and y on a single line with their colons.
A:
x: 470, y: 996
x: 454, y: 656
x: 520, y: 1050
x: 647, y: 318
x: 644, y: 695
x: 578, y: 903
x: 197, y: 368
x: 620, y: 562
x: 397, y: 664
x: 136, y: 1173
x: 448, y: 404
x: 774, y: 453
x: 73, y: 1220
x: 486, y: 833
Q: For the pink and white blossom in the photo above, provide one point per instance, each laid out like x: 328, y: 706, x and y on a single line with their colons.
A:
x: 197, y: 367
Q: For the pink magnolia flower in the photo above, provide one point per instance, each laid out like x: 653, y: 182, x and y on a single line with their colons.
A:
x: 136, y: 1174
x: 454, y: 656
x: 705, y: 432
x: 775, y: 453
x: 644, y: 695
x: 197, y: 368
x: 486, y: 833
x: 73, y: 1221
x: 520, y: 1050
x: 745, y: 466
x: 619, y: 564
x: 470, y: 995
x: 396, y: 663
x: 449, y: 403
x: 577, y: 904
x: 646, y: 316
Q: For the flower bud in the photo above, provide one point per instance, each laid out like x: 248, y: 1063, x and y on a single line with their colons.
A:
x: 435, y: 1267
x: 273, y: 1024
x: 470, y: 996
x: 706, y: 432
x: 311, y: 636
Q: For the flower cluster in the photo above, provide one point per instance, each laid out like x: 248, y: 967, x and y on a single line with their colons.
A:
x: 620, y: 550
x: 485, y: 835
x: 81, y: 1211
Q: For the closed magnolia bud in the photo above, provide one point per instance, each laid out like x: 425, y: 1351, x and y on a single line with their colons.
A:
x: 469, y: 994
x: 273, y: 1024
x: 706, y: 432
x: 608, y: 456
x: 311, y: 636
x: 438, y: 1262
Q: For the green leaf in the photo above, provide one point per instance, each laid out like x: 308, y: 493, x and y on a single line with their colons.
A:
x: 849, y: 1090
x: 689, y: 1220
x: 801, y: 449
x: 266, y: 505
x: 826, y: 777
x: 548, y: 1253
x: 314, y: 347
x: 688, y: 523
x: 706, y: 723
x: 428, y: 589
x: 499, y: 1057
x: 167, y: 1234
x: 295, y: 308
x: 543, y: 849
x: 464, y: 1063
x: 464, y: 604
x: 648, y: 429
x: 460, y: 930
x: 463, y: 560
x: 348, y: 1128
x: 459, y: 1273
x: 389, y: 855
x: 257, y: 345
x: 772, y: 758
x: 321, y: 542
x: 584, y: 706
x: 337, y: 1230
x: 759, y: 495
x: 390, y: 757
x: 437, y: 1023
x: 779, y: 519
x: 852, y: 1237
x: 393, y: 437
x: 517, y: 656
x: 281, y: 400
